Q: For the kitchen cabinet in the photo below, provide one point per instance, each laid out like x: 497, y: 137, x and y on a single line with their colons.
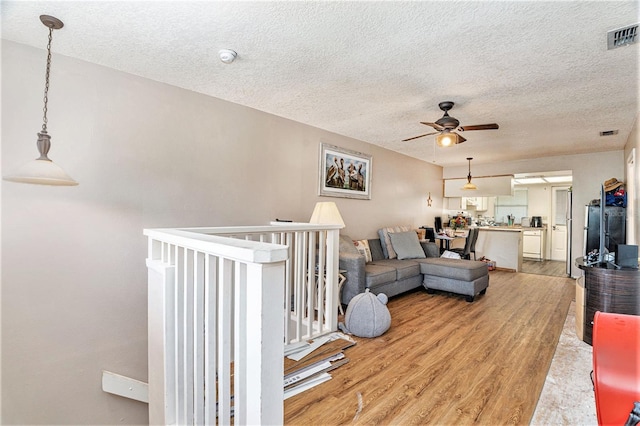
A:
x: 455, y: 203
x: 533, y: 244
x: 480, y: 204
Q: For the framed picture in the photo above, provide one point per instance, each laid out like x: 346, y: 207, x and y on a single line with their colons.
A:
x: 344, y: 173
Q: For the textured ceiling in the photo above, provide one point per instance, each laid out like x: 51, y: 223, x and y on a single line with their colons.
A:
x: 374, y: 70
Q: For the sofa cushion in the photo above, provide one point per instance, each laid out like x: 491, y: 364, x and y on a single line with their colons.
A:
x: 376, y: 249
x: 457, y: 269
x: 387, y: 247
x: 378, y: 274
x: 430, y: 249
x: 404, y: 268
x: 406, y: 245
x: 363, y: 248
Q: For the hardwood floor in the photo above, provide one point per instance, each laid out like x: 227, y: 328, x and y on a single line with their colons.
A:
x: 446, y: 361
x: 554, y: 268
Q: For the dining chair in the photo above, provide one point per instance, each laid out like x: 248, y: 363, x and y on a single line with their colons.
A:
x: 438, y: 224
x: 465, y: 253
x: 429, y: 234
x: 472, y: 249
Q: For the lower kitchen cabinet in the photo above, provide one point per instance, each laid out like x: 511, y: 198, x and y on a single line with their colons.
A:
x: 533, y: 244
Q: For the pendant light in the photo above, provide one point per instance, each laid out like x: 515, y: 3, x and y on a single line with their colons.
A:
x: 469, y: 185
x: 42, y: 170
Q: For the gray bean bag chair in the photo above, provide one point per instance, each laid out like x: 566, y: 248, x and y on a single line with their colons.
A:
x: 367, y: 315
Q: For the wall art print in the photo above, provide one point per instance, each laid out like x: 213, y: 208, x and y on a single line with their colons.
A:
x: 344, y: 173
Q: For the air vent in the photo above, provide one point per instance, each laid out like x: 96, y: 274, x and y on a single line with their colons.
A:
x: 622, y: 36
x: 609, y: 133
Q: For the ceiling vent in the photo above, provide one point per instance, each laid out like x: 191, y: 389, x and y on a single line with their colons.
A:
x: 622, y: 36
x: 609, y: 133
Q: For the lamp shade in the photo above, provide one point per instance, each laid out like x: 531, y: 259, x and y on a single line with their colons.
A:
x: 326, y: 213
x: 469, y: 186
x: 43, y: 172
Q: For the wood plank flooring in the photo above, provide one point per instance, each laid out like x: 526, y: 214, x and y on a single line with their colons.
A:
x: 555, y: 268
x: 445, y: 361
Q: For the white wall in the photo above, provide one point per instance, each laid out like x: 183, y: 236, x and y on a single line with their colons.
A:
x: 146, y: 155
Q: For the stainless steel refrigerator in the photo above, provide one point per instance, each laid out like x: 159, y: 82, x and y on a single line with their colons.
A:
x: 614, y: 228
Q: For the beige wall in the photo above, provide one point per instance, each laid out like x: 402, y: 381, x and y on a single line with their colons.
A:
x: 146, y: 155
x: 633, y: 146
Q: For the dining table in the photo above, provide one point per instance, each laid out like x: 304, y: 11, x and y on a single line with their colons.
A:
x: 443, y: 237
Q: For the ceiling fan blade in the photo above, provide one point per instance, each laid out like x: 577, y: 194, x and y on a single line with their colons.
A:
x: 460, y: 138
x: 434, y: 125
x: 491, y: 126
x: 421, y: 136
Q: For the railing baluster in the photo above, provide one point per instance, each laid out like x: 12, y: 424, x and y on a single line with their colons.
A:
x: 199, y: 337
x: 240, y: 379
x: 211, y: 338
x: 224, y: 340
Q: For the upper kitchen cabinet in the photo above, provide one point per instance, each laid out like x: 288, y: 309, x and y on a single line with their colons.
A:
x: 455, y: 203
x: 479, y: 204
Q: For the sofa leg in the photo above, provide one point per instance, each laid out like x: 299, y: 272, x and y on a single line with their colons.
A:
x: 483, y: 291
x: 430, y: 291
x: 470, y: 298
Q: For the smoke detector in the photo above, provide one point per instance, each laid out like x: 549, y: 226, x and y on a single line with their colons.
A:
x: 227, y: 55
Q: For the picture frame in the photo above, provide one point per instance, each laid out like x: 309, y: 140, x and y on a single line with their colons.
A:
x: 344, y: 173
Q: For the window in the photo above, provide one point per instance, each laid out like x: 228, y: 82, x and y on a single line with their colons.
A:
x: 515, y: 205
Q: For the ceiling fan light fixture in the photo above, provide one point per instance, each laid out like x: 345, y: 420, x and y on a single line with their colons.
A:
x: 446, y: 139
x: 469, y: 186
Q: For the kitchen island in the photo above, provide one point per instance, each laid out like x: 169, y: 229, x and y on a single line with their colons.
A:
x: 502, y: 244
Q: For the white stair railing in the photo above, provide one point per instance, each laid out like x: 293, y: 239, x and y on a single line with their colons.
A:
x: 216, y: 323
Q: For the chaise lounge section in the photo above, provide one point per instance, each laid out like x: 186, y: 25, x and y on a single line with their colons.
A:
x: 466, y: 277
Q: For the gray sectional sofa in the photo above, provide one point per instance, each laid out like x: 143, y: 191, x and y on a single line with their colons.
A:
x: 396, y: 276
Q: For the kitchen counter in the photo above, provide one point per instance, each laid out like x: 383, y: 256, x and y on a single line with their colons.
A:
x: 502, y: 244
x: 503, y: 228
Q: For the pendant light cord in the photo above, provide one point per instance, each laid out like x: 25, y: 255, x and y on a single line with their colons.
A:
x: 46, y: 82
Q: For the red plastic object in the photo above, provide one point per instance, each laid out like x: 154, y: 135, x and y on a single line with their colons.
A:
x: 616, y: 366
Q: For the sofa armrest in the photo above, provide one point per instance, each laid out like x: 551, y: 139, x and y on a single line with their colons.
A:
x: 430, y: 249
x: 353, y: 264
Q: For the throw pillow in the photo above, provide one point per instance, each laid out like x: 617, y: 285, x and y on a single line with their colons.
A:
x: 387, y: 247
x: 363, y: 247
x: 367, y: 315
x: 345, y: 245
x: 406, y: 245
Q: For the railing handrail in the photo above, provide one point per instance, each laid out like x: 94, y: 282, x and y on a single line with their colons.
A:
x: 274, y: 226
x: 233, y: 248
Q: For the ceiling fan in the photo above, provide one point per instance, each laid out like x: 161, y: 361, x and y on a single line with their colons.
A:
x: 446, y: 125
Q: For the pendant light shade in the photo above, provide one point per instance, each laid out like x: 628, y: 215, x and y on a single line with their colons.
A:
x: 469, y: 186
x: 42, y: 170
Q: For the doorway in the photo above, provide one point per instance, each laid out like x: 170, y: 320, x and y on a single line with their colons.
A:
x: 559, y: 222
x: 548, y: 198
